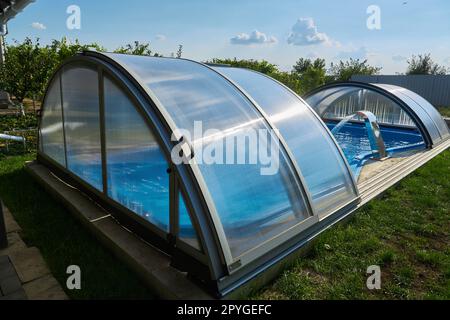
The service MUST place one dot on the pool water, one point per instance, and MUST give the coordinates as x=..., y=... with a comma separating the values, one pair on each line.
x=354, y=142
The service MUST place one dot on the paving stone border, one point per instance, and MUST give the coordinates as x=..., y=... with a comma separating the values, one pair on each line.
x=10, y=285
x=23, y=272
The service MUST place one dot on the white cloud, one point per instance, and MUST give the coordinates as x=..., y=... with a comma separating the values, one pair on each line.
x=38, y=26
x=255, y=37
x=399, y=58
x=160, y=37
x=305, y=33
x=360, y=53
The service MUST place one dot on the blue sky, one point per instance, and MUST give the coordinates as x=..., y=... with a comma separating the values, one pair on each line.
x=279, y=31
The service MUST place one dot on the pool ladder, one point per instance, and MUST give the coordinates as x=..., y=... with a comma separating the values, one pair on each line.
x=373, y=130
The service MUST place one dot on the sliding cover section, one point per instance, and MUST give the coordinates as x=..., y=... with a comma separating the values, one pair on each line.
x=429, y=114
x=253, y=204
x=339, y=103
x=392, y=105
x=322, y=164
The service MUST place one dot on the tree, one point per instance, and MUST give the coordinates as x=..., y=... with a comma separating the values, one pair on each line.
x=28, y=66
x=180, y=51
x=64, y=49
x=344, y=70
x=311, y=74
x=138, y=49
x=25, y=66
x=302, y=65
x=44, y=66
x=423, y=64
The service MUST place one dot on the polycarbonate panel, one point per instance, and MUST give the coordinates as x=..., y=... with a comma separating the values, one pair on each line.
x=442, y=126
x=319, y=100
x=338, y=103
x=82, y=123
x=136, y=167
x=51, y=128
x=322, y=165
x=421, y=106
x=186, y=230
x=253, y=208
x=424, y=117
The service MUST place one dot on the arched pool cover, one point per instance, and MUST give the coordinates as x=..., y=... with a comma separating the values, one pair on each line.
x=393, y=105
x=96, y=126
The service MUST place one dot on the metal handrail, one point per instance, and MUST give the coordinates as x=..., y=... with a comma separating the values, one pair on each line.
x=9, y=138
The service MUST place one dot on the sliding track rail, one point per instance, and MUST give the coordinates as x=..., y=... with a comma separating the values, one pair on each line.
x=376, y=185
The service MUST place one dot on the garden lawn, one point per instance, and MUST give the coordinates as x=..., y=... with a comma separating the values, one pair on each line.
x=445, y=111
x=406, y=233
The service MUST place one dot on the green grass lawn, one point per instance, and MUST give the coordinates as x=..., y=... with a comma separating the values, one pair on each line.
x=445, y=111
x=406, y=233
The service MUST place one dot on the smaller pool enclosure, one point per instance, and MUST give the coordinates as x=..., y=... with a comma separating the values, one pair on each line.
x=405, y=121
x=110, y=124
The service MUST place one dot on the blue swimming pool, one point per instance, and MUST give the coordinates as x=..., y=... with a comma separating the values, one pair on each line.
x=354, y=142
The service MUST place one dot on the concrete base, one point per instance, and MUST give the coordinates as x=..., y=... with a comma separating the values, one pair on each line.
x=150, y=264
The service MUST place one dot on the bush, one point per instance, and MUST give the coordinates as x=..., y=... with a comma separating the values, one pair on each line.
x=344, y=70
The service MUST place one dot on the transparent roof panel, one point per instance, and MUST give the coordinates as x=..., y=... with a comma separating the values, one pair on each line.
x=338, y=103
x=187, y=232
x=252, y=207
x=51, y=128
x=413, y=100
x=320, y=100
x=80, y=96
x=319, y=159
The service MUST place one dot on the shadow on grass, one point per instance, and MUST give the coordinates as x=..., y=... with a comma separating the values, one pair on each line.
x=63, y=241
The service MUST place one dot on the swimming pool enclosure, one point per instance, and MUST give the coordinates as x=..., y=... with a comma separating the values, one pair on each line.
x=110, y=123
